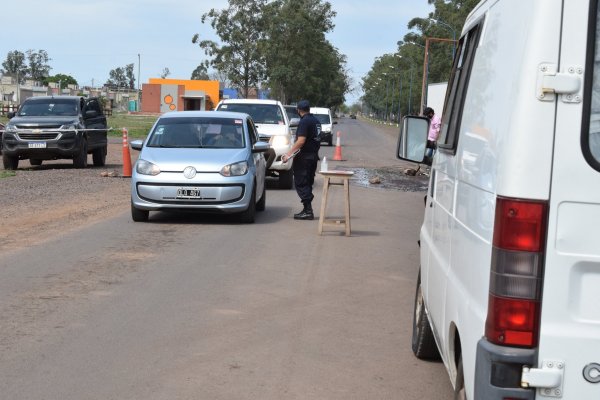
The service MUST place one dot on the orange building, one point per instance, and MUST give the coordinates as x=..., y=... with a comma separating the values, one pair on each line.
x=163, y=95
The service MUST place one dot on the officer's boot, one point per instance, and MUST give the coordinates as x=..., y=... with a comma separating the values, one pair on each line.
x=306, y=213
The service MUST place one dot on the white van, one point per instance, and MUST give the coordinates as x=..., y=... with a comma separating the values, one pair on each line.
x=508, y=293
x=324, y=116
x=273, y=126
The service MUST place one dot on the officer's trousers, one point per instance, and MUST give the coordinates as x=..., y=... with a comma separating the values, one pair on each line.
x=305, y=167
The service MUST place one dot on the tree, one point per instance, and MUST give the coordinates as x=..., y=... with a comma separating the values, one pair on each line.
x=240, y=29
x=62, y=78
x=201, y=72
x=15, y=64
x=117, y=78
x=301, y=63
x=38, y=64
x=165, y=72
x=130, y=76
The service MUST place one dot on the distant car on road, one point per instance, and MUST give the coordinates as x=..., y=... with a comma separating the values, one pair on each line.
x=200, y=160
x=352, y=116
x=51, y=128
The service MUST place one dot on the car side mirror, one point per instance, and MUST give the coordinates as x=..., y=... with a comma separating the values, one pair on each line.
x=412, y=141
x=137, y=144
x=260, y=147
x=294, y=122
x=11, y=114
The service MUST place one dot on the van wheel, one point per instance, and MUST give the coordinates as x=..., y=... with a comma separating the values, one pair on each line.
x=80, y=160
x=262, y=203
x=459, y=387
x=423, y=342
x=35, y=161
x=286, y=179
x=247, y=216
x=99, y=156
x=10, y=162
x=139, y=215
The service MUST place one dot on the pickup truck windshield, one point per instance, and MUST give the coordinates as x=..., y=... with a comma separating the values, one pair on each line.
x=55, y=107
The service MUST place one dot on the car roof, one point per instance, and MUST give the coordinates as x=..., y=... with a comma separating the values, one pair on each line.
x=204, y=114
x=320, y=110
x=249, y=101
x=46, y=98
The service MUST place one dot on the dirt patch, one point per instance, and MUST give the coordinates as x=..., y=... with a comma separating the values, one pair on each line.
x=38, y=202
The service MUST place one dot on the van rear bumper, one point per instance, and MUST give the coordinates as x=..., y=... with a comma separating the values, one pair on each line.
x=498, y=371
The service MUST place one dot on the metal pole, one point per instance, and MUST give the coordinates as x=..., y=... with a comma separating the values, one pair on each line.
x=139, y=80
x=385, y=116
x=392, y=102
x=410, y=91
x=423, y=87
x=400, y=99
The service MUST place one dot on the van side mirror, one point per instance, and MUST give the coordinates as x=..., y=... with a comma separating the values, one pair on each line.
x=294, y=122
x=413, y=139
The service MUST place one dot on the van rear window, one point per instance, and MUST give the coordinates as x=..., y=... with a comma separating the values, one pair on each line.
x=591, y=139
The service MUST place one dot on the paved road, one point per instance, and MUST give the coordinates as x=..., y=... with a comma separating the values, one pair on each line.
x=200, y=307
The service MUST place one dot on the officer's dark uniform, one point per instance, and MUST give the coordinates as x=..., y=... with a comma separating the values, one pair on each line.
x=305, y=162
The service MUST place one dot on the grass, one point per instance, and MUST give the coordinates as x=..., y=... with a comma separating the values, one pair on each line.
x=137, y=126
x=7, y=174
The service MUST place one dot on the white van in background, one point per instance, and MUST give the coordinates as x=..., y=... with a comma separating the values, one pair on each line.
x=509, y=277
x=326, y=119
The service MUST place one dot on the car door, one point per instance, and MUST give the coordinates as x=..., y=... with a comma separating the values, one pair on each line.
x=95, y=123
x=570, y=320
x=259, y=158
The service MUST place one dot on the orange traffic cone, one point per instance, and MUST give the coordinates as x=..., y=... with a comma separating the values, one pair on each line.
x=126, y=156
x=337, y=156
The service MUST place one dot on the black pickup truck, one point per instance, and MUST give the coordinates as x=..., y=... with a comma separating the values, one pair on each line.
x=51, y=128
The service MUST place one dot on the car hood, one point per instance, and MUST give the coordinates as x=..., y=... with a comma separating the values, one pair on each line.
x=34, y=121
x=204, y=160
x=271, y=129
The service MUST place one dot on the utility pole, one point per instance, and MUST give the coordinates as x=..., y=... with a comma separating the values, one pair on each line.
x=139, y=79
x=426, y=67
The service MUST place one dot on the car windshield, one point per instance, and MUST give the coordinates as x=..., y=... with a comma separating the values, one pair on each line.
x=217, y=133
x=52, y=107
x=292, y=112
x=260, y=113
x=323, y=118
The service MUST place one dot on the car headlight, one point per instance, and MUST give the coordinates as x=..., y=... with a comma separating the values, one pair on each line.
x=279, y=141
x=236, y=169
x=146, y=168
x=71, y=126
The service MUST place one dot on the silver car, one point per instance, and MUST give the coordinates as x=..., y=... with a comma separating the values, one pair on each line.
x=200, y=160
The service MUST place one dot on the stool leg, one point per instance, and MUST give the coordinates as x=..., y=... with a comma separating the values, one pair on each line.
x=347, y=205
x=323, y=203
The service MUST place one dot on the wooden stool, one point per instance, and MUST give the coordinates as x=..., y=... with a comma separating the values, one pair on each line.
x=344, y=176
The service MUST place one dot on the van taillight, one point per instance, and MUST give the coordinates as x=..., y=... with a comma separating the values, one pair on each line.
x=516, y=272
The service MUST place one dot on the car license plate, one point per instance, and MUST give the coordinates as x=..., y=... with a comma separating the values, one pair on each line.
x=36, y=145
x=188, y=193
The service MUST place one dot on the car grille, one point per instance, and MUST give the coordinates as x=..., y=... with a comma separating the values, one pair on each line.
x=38, y=136
x=264, y=138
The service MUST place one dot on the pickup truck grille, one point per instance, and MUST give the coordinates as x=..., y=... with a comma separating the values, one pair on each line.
x=36, y=126
x=38, y=136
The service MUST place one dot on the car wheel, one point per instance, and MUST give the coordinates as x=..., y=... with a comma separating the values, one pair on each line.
x=99, y=156
x=139, y=215
x=423, y=342
x=80, y=160
x=459, y=387
x=262, y=203
x=35, y=161
x=10, y=162
x=286, y=179
x=247, y=216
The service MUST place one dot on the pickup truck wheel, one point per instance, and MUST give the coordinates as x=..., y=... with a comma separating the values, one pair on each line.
x=286, y=179
x=35, y=161
x=262, y=203
x=99, y=156
x=247, y=216
x=80, y=160
x=459, y=386
x=10, y=162
x=139, y=215
x=423, y=342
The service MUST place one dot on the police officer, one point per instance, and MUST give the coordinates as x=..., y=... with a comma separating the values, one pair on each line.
x=307, y=143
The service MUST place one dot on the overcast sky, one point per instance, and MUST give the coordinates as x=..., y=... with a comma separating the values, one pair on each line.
x=88, y=38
